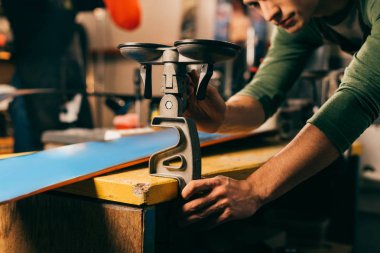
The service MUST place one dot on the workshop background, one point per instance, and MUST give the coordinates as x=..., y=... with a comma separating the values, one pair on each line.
x=353, y=226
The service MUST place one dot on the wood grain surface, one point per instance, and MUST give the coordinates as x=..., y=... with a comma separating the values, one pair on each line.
x=57, y=223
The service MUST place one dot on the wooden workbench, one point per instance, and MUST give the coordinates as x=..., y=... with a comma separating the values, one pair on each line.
x=127, y=211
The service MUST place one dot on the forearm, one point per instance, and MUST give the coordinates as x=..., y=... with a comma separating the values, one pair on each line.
x=243, y=114
x=309, y=152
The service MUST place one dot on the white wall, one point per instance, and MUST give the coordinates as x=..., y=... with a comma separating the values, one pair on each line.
x=206, y=18
x=159, y=24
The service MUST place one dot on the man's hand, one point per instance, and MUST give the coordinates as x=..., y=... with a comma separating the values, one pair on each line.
x=208, y=113
x=219, y=199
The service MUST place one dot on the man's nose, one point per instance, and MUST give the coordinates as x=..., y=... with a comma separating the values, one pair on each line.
x=270, y=12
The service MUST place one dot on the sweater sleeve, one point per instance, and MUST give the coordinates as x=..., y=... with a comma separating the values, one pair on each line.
x=356, y=104
x=282, y=66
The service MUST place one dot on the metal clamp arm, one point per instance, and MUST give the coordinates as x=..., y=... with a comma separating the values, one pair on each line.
x=183, y=160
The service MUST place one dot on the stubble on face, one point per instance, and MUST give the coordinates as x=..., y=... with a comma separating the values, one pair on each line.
x=292, y=14
x=303, y=11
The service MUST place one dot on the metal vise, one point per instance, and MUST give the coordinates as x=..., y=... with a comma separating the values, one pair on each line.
x=182, y=161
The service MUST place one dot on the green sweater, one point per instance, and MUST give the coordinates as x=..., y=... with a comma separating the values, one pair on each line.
x=354, y=106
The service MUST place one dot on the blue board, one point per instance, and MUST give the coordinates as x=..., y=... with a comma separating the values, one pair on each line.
x=27, y=175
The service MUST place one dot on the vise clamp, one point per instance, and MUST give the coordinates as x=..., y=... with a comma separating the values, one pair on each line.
x=183, y=160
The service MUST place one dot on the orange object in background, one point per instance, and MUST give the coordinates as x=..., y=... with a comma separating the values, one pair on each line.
x=6, y=145
x=126, y=121
x=3, y=40
x=125, y=13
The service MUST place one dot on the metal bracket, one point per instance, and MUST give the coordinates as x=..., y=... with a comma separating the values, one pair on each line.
x=181, y=161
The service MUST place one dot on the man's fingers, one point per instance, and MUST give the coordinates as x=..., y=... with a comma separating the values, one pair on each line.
x=199, y=186
x=215, y=209
x=192, y=84
x=191, y=90
x=194, y=76
x=198, y=204
x=193, y=81
x=213, y=92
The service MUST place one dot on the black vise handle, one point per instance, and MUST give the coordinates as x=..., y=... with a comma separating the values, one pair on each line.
x=204, y=79
x=137, y=83
x=146, y=76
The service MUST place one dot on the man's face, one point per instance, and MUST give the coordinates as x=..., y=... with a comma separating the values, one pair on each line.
x=291, y=15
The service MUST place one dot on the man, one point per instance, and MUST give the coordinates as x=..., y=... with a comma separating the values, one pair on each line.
x=303, y=25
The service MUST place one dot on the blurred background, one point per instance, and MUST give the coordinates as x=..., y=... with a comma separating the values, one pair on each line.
x=112, y=87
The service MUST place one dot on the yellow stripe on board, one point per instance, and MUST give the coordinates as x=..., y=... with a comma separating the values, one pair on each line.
x=137, y=187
